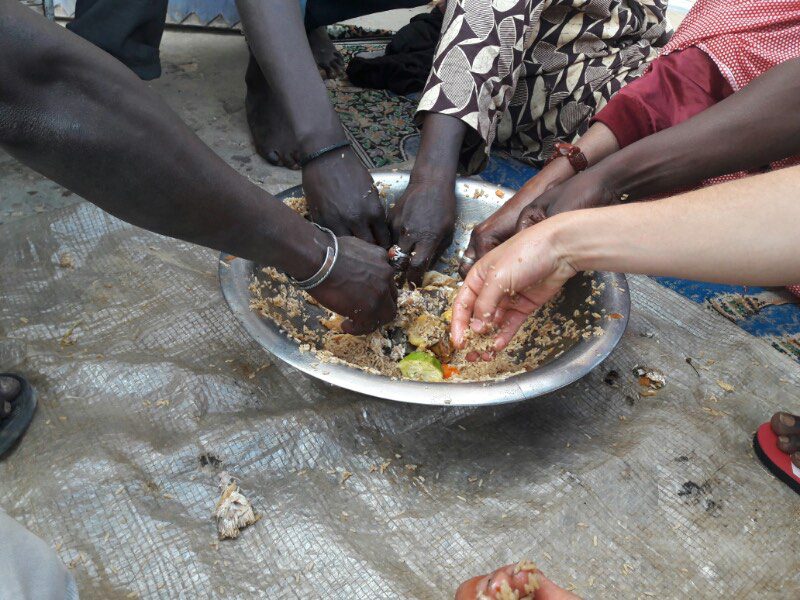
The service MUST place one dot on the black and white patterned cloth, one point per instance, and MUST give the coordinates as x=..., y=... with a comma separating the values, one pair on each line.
x=525, y=74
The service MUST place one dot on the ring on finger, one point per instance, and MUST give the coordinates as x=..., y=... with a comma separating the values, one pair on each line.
x=397, y=258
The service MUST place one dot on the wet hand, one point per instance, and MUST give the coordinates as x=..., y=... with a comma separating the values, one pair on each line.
x=361, y=287
x=509, y=283
x=342, y=197
x=422, y=222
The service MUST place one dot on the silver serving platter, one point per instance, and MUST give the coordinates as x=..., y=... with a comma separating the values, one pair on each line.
x=476, y=200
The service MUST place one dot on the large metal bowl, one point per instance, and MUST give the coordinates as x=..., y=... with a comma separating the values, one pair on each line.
x=476, y=200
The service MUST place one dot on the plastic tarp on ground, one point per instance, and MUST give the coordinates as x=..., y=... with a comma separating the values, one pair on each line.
x=148, y=388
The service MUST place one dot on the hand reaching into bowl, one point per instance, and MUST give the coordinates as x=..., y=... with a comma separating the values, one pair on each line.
x=711, y=234
x=361, y=287
x=509, y=283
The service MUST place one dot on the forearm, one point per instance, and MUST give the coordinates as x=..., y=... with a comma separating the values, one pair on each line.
x=743, y=232
x=456, y=91
x=277, y=37
x=747, y=130
x=437, y=159
x=596, y=144
x=88, y=123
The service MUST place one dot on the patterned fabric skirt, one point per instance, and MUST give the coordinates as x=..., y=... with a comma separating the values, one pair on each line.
x=524, y=74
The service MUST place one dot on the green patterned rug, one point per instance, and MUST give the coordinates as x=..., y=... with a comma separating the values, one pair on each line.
x=378, y=122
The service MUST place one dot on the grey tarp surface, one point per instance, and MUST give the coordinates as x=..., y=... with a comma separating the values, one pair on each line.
x=592, y=482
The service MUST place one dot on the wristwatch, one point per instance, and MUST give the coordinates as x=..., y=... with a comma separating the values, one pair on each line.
x=574, y=155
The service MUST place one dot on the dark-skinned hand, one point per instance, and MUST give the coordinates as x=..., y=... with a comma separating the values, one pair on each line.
x=589, y=189
x=361, y=287
x=422, y=222
x=342, y=197
x=500, y=226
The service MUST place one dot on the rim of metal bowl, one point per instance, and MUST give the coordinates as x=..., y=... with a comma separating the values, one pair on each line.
x=235, y=277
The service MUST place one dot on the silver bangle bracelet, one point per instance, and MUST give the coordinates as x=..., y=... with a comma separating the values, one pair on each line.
x=331, y=254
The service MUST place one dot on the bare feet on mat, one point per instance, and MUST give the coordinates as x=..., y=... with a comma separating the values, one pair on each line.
x=787, y=427
x=273, y=140
x=327, y=57
x=522, y=580
x=9, y=390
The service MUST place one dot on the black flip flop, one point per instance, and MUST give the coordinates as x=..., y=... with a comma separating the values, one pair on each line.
x=22, y=408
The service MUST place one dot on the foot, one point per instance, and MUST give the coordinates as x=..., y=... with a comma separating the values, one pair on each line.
x=327, y=57
x=9, y=390
x=273, y=140
x=787, y=428
x=17, y=405
x=522, y=580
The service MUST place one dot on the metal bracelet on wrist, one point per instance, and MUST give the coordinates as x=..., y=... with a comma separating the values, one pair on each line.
x=304, y=160
x=331, y=254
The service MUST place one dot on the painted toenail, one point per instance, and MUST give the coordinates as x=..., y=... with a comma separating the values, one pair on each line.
x=787, y=420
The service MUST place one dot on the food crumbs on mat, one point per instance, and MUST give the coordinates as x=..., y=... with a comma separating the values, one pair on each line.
x=650, y=378
x=725, y=386
x=65, y=261
x=67, y=339
x=233, y=511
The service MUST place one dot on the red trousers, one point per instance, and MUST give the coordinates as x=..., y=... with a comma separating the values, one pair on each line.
x=675, y=88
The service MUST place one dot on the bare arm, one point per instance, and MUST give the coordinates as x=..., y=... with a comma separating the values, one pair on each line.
x=277, y=38
x=741, y=232
x=78, y=116
x=337, y=184
x=747, y=130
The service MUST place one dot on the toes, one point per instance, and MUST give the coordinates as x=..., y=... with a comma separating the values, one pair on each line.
x=9, y=389
x=789, y=444
x=785, y=424
x=292, y=161
x=796, y=459
x=272, y=157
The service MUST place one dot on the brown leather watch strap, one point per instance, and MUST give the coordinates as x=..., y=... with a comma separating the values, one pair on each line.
x=573, y=153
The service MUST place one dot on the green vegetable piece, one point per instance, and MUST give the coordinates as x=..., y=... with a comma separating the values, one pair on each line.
x=421, y=366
